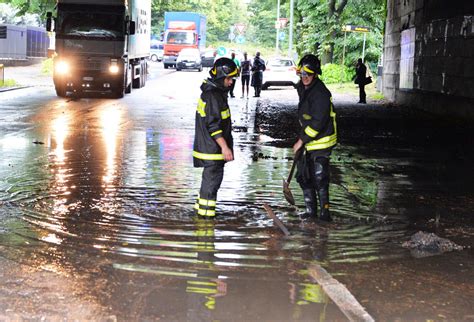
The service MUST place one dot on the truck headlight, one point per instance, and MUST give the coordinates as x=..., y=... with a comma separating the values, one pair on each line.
x=62, y=67
x=114, y=69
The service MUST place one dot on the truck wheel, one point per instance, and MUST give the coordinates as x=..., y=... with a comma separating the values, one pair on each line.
x=144, y=73
x=136, y=82
x=166, y=66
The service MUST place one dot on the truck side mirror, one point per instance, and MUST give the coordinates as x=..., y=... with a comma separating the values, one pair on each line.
x=49, y=19
x=131, y=28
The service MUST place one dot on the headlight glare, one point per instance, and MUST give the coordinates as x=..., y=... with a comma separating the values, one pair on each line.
x=62, y=67
x=114, y=69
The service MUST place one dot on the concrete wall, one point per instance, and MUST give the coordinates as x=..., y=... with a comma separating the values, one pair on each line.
x=429, y=55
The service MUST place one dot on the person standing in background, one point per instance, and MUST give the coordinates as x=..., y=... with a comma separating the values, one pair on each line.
x=258, y=67
x=245, y=67
x=237, y=63
x=360, y=80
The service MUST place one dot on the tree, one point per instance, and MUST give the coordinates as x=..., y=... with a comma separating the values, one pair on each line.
x=9, y=15
x=220, y=14
x=319, y=28
x=39, y=7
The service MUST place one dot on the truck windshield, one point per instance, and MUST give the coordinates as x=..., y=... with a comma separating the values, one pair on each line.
x=180, y=37
x=91, y=24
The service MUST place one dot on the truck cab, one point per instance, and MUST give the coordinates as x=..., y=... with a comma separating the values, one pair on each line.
x=182, y=30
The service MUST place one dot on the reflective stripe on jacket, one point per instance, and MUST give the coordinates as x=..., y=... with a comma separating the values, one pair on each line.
x=316, y=116
x=213, y=120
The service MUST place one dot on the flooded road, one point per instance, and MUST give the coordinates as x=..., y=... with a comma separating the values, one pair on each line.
x=100, y=192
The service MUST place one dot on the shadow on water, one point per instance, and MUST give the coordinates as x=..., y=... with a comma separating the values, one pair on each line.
x=112, y=200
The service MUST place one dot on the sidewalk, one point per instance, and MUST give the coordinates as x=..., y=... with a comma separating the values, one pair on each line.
x=26, y=76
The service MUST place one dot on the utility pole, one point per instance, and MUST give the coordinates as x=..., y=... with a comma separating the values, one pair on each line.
x=290, y=44
x=277, y=27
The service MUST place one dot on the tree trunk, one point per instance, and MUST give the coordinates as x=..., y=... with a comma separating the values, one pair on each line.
x=333, y=13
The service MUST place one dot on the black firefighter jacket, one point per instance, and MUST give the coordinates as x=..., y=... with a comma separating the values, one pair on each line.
x=212, y=122
x=316, y=116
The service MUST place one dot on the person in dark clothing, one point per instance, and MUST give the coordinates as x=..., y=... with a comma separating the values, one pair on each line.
x=317, y=136
x=245, y=67
x=213, y=142
x=237, y=63
x=258, y=67
x=360, y=79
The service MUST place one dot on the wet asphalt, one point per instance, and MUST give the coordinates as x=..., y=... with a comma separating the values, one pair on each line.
x=96, y=199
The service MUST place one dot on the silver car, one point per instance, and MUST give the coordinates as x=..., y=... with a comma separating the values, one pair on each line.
x=189, y=58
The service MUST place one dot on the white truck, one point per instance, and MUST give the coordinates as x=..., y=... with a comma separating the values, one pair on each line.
x=100, y=45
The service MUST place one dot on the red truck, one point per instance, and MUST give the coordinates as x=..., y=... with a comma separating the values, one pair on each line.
x=182, y=30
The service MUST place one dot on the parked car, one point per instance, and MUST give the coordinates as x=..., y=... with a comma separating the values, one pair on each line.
x=156, y=50
x=156, y=54
x=189, y=58
x=280, y=72
x=207, y=58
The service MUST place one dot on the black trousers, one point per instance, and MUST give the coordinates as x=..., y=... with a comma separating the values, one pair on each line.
x=211, y=182
x=362, y=93
x=231, y=92
x=313, y=171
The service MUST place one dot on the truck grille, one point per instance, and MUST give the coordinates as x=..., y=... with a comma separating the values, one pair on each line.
x=91, y=64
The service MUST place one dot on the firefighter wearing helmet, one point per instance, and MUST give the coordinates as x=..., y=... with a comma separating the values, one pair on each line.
x=213, y=142
x=317, y=136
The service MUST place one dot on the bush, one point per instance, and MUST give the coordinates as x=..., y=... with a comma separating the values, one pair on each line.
x=333, y=73
x=8, y=83
x=47, y=66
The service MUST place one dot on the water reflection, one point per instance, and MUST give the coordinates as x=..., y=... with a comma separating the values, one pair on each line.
x=113, y=200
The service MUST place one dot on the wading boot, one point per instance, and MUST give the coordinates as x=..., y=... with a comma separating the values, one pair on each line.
x=311, y=204
x=324, y=214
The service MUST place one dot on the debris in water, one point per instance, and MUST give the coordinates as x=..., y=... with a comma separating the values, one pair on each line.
x=424, y=244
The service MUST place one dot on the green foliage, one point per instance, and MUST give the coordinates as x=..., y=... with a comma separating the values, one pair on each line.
x=333, y=73
x=377, y=96
x=47, y=66
x=39, y=7
x=8, y=83
x=220, y=14
x=317, y=23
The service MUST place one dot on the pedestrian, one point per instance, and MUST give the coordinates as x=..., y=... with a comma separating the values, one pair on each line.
x=237, y=63
x=213, y=142
x=360, y=79
x=245, y=67
x=317, y=136
x=258, y=67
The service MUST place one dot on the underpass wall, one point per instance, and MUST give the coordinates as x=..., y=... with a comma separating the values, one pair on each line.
x=428, y=55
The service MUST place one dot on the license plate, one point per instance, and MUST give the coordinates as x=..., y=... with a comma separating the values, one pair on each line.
x=189, y=64
x=87, y=78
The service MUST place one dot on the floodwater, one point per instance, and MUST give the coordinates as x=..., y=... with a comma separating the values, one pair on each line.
x=103, y=190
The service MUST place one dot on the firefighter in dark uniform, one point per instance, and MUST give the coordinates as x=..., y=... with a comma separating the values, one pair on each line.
x=213, y=143
x=318, y=136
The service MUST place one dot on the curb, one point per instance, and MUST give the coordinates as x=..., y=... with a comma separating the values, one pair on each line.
x=7, y=89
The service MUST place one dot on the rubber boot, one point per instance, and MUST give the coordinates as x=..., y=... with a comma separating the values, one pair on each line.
x=324, y=213
x=311, y=204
